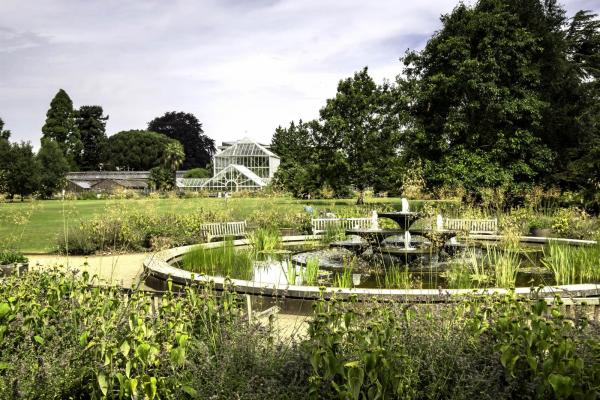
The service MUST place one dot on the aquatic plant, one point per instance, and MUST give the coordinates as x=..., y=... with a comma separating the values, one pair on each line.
x=397, y=277
x=310, y=273
x=223, y=260
x=344, y=280
x=572, y=264
x=265, y=239
x=506, y=263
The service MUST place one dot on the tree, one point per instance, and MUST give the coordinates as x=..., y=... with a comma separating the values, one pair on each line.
x=362, y=123
x=197, y=173
x=4, y=134
x=4, y=155
x=161, y=178
x=186, y=128
x=53, y=168
x=300, y=171
x=60, y=126
x=91, y=124
x=477, y=91
x=136, y=150
x=173, y=156
x=22, y=175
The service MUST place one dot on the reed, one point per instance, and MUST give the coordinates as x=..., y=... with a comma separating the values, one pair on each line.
x=570, y=264
x=397, y=277
x=344, y=280
x=223, y=260
x=265, y=239
x=310, y=273
x=506, y=264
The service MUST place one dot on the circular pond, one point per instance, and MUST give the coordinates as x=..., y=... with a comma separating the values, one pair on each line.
x=307, y=267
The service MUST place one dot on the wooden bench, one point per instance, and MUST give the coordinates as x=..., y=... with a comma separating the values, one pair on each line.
x=223, y=229
x=320, y=225
x=476, y=226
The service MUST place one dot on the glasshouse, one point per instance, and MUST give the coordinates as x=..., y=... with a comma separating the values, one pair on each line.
x=241, y=165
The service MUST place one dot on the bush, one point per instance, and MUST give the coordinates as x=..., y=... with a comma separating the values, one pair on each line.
x=11, y=257
x=62, y=338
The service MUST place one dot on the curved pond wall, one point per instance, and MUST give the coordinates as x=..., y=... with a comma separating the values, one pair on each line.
x=158, y=270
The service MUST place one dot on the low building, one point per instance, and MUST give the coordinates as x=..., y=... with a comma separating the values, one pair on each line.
x=107, y=181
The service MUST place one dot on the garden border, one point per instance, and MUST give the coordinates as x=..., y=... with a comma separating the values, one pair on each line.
x=158, y=267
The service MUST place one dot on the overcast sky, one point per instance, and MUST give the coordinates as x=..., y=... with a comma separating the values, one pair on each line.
x=243, y=67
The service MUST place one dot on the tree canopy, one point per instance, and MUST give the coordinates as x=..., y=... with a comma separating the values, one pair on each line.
x=53, y=168
x=136, y=150
x=186, y=128
x=91, y=124
x=60, y=126
x=505, y=95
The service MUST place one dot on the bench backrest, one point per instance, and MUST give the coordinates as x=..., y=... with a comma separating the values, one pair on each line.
x=320, y=225
x=224, y=228
x=487, y=226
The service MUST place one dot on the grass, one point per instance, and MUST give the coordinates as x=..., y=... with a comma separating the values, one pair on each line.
x=35, y=225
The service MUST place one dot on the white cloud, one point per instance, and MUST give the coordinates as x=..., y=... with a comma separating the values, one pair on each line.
x=238, y=65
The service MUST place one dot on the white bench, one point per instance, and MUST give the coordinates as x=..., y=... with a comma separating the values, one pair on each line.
x=320, y=225
x=223, y=229
x=476, y=226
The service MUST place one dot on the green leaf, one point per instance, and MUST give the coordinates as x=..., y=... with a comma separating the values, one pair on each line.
x=102, y=383
x=83, y=338
x=4, y=365
x=562, y=385
x=150, y=387
x=38, y=339
x=4, y=309
x=356, y=376
x=125, y=348
x=178, y=356
x=190, y=390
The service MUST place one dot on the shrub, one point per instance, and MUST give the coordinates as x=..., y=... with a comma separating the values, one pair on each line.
x=11, y=257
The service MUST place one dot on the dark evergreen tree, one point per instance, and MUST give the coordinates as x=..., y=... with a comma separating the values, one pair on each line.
x=186, y=128
x=53, y=168
x=91, y=124
x=136, y=150
x=60, y=126
x=300, y=171
x=4, y=134
x=22, y=174
x=4, y=156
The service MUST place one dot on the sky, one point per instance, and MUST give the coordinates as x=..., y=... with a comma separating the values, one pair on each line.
x=242, y=67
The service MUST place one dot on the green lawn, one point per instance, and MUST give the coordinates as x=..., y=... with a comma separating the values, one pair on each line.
x=33, y=227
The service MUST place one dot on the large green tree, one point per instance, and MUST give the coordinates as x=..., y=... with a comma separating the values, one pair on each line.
x=300, y=171
x=91, y=124
x=53, y=168
x=186, y=128
x=136, y=150
x=363, y=124
x=60, y=126
x=498, y=95
x=22, y=174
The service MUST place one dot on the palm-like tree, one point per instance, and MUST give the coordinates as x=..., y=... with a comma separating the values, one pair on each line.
x=173, y=156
